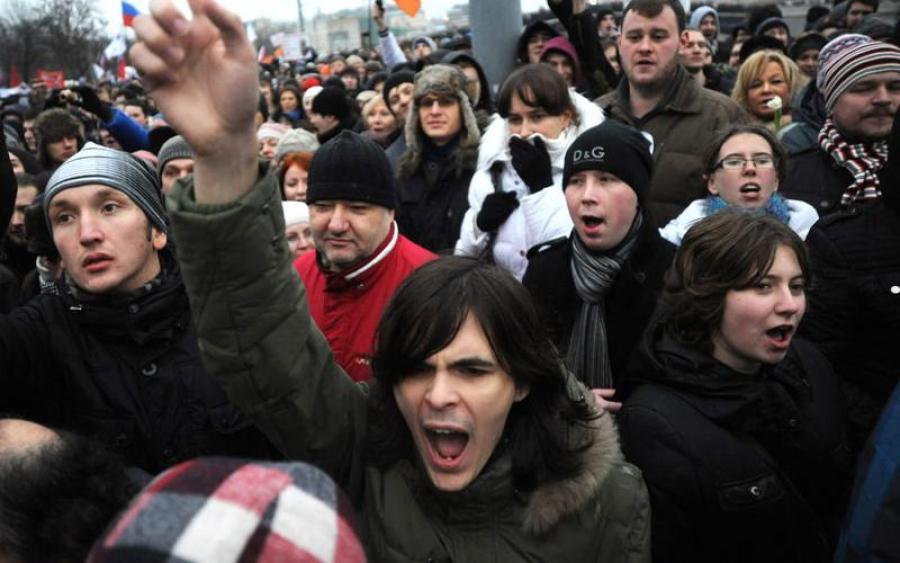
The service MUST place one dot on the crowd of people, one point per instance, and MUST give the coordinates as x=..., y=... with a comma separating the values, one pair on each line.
x=638, y=303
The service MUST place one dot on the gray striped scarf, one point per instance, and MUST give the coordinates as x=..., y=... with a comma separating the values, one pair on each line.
x=594, y=275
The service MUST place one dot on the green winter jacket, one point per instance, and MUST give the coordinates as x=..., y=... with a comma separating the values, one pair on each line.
x=260, y=343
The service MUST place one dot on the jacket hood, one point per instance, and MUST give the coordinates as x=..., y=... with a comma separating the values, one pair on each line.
x=554, y=501
x=522, y=46
x=564, y=46
x=700, y=13
x=485, y=102
x=495, y=140
x=809, y=106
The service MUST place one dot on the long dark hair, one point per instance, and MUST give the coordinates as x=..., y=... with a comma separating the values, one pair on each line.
x=424, y=316
x=726, y=251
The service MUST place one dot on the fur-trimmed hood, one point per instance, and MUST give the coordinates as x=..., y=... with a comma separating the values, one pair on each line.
x=495, y=141
x=446, y=80
x=553, y=501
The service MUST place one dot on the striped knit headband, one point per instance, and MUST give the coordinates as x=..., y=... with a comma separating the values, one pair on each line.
x=845, y=68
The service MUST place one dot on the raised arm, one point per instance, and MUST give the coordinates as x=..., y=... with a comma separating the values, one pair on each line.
x=256, y=336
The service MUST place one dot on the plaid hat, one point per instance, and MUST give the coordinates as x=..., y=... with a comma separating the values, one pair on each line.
x=174, y=148
x=615, y=148
x=296, y=140
x=119, y=170
x=369, y=179
x=843, y=64
x=218, y=509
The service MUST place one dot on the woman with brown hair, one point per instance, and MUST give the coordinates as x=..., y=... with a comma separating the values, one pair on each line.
x=737, y=428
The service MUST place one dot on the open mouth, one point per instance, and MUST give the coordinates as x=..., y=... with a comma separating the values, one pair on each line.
x=781, y=334
x=750, y=189
x=591, y=222
x=447, y=444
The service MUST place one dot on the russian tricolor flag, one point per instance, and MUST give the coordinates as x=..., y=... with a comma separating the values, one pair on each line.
x=129, y=12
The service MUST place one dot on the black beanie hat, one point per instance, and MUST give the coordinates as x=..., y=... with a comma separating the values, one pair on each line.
x=394, y=80
x=332, y=101
x=353, y=168
x=615, y=148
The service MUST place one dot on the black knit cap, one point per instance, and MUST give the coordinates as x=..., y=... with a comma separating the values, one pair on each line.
x=351, y=167
x=615, y=148
x=332, y=101
x=394, y=80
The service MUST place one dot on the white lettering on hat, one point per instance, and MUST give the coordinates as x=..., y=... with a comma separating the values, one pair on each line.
x=596, y=154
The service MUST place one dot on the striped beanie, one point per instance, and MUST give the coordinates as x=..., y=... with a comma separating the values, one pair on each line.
x=220, y=509
x=173, y=149
x=851, y=60
x=95, y=164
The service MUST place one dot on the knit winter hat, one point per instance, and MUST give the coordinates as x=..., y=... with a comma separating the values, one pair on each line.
x=296, y=140
x=308, y=83
x=271, y=130
x=848, y=63
x=394, y=80
x=174, y=148
x=209, y=510
x=615, y=148
x=352, y=168
x=119, y=170
x=295, y=212
x=770, y=23
x=332, y=101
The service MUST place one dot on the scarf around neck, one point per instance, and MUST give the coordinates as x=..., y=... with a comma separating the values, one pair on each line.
x=594, y=275
x=776, y=206
x=862, y=160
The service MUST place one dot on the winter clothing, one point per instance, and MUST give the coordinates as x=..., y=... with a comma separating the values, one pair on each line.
x=53, y=125
x=870, y=533
x=295, y=212
x=390, y=50
x=296, y=140
x=628, y=305
x=370, y=179
x=807, y=118
x=294, y=389
x=174, y=148
x=127, y=132
x=564, y=46
x=532, y=28
x=853, y=63
x=271, y=130
x=697, y=16
x=332, y=101
x=814, y=177
x=433, y=181
x=800, y=217
x=347, y=305
x=740, y=467
x=289, y=512
x=484, y=104
x=95, y=164
x=615, y=148
x=682, y=126
x=862, y=160
x=124, y=370
x=532, y=163
x=541, y=216
x=394, y=80
x=771, y=23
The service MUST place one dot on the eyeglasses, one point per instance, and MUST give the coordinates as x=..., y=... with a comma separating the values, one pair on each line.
x=762, y=161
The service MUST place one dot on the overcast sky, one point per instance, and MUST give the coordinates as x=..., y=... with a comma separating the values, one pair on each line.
x=287, y=9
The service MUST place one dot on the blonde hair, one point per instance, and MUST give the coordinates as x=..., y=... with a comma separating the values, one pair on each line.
x=754, y=66
x=371, y=105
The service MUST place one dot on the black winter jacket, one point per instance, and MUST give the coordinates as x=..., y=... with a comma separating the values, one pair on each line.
x=125, y=371
x=814, y=177
x=629, y=304
x=739, y=467
x=854, y=306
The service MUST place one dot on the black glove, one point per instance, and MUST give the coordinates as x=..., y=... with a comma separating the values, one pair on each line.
x=91, y=103
x=37, y=232
x=495, y=210
x=532, y=163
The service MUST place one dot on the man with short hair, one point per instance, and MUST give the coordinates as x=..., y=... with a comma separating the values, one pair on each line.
x=860, y=84
x=114, y=354
x=441, y=154
x=174, y=161
x=857, y=10
x=660, y=98
x=693, y=52
x=472, y=441
x=360, y=257
x=136, y=110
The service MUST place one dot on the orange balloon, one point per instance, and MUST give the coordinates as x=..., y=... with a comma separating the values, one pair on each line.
x=410, y=7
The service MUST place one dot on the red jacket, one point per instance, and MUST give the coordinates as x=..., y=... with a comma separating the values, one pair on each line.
x=347, y=305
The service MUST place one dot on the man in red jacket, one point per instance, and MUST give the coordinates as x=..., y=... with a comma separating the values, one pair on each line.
x=360, y=256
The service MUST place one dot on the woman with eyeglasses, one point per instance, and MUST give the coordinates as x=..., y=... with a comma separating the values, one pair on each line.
x=745, y=164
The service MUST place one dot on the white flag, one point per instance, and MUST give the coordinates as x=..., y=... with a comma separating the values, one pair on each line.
x=116, y=47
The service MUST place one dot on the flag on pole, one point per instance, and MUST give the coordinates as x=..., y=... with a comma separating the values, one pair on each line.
x=129, y=12
x=116, y=47
x=409, y=7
